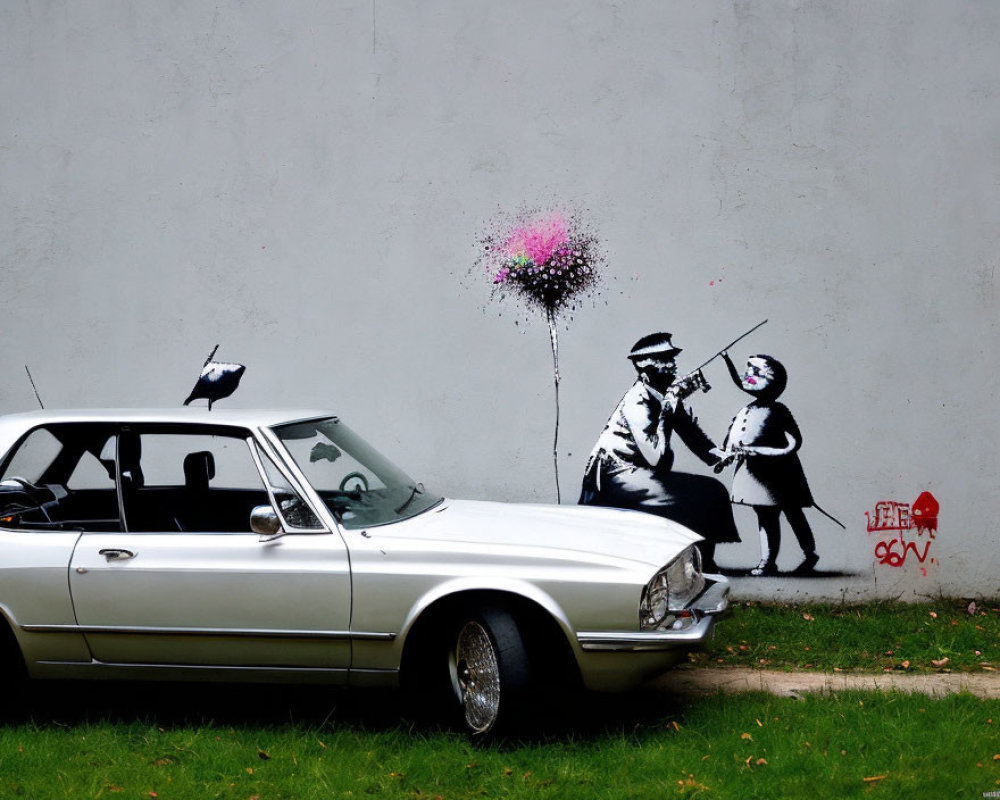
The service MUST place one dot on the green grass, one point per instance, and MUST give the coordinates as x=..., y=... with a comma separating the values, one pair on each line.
x=748, y=746
x=882, y=636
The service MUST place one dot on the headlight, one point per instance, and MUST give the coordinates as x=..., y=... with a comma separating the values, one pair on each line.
x=671, y=590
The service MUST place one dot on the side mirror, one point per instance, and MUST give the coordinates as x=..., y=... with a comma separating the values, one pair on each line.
x=264, y=521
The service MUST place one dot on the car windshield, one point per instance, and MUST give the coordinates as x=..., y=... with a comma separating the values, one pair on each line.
x=360, y=486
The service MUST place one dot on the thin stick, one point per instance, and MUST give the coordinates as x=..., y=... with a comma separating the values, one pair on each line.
x=554, y=339
x=39, y=399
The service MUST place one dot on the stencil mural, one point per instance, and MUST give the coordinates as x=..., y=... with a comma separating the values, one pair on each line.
x=549, y=261
x=631, y=465
x=218, y=380
x=763, y=442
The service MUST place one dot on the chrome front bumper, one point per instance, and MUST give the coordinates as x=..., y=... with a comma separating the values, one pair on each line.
x=713, y=601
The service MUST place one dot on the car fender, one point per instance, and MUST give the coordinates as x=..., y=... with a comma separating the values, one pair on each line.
x=501, y=586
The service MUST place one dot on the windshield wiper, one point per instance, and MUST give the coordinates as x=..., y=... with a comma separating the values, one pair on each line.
x=418, y=487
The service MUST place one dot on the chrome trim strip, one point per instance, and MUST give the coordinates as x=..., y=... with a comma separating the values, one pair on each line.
x=201, y=667
x=257, y=633
x=646, y=640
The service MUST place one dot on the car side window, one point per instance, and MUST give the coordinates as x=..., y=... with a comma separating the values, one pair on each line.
x=188, y=482
x=61, y=477
x=294, y=511
x=90, y=473
x=35, y=454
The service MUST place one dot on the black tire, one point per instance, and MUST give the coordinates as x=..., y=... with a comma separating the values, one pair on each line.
x=489, y=671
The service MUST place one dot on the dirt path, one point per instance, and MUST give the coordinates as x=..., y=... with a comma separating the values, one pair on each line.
x=730, y=680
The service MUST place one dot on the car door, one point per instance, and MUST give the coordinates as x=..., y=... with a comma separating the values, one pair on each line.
x=188, y=583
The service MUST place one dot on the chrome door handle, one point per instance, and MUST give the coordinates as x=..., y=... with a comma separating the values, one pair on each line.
x=116, y=554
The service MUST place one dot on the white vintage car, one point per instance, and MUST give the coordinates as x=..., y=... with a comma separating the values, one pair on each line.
x=278, y=545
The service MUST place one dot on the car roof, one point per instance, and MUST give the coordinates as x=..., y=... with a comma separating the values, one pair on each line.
x=242, y=417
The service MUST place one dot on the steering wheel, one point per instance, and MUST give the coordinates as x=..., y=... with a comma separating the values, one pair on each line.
x=360, y=486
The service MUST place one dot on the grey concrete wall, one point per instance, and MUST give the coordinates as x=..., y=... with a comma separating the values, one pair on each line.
x=305, y=183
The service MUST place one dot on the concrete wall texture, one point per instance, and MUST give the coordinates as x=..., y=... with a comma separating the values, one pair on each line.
x=305, y=184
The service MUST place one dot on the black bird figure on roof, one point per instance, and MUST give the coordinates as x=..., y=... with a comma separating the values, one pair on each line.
x=217, y=380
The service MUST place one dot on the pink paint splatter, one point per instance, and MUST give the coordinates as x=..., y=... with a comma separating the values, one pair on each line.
x=538, y=240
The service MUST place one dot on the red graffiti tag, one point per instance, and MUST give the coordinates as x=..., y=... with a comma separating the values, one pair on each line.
x=924, y=513
x=886, y=552
x=890, y=515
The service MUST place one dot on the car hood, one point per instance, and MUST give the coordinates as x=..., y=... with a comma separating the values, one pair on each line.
x=543, y=532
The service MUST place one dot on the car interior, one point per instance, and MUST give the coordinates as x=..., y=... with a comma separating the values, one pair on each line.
x=64, y=477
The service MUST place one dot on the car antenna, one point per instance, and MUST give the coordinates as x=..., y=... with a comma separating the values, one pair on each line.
x=39, y=399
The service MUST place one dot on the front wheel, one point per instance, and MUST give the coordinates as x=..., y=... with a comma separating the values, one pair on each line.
x=489, y=670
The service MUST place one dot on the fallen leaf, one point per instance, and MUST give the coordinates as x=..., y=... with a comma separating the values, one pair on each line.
x=933, y=616
x=674, y=725
x=525, y=776
x=759, y=723
x=808, y=617
x=262, y=755
x=321, y=744
x=905, y=665
x=746, y=736
x=508, y=771
x=760, y=762
x=875, y=778
x=996, y=757
x=972, y=608
x=940, y=662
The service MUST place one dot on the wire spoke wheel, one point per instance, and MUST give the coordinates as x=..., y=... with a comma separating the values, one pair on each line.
x=477, y=677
